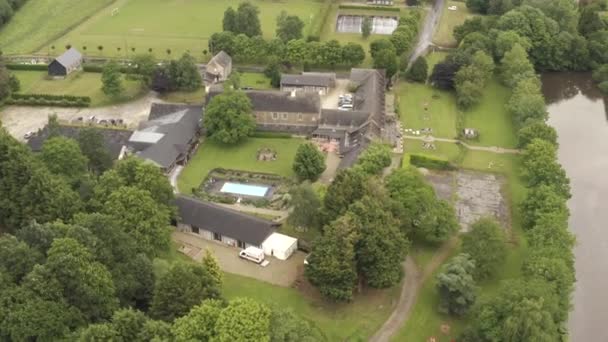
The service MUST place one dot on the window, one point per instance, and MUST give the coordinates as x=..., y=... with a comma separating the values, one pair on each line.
x=217, y=237
x=240, y=243
x=275, y=116
x=284, y=116
x=195, y=230
x=299, y=116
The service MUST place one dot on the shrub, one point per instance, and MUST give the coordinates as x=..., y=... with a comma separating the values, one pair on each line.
x=27, y=67
x=430, y=162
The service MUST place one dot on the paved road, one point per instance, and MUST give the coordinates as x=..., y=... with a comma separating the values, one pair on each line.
x=426, y=36
x=493, y=149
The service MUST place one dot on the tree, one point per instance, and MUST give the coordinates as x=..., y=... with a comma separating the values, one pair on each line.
x=248, y=21
x=353, y=54
x=309, y=162
x=111, y=80
x=128, y=323
x=366, y=27
x=522, y=310
x=515, y=66
x=200, y=323
x=330, y=53
x=374, y=159
x=184, y=73
x=229, y=118
x=85, y=283
x=286, y=326
x=527, y=104
x=536, y=130
x=180, y=289
x=63, y=157
x=380, y=45
x=564, y=12
x=478, y=6
x=273, y=72
x=346, y=188
x=41, y=320
x=387, y=60
x=470, y=80
x=505, y=40
x=485, y=243
x=5, y=82
x=542, y=200
x=331, y=265
x=541, y=167
x=418, y=72
x=297, y=51
x=230, y=20
x=136, y=212
x=402, y=39
x=306, y=207
x=17, y=258
x=98, y=332
x=234, y=81
x=235, y=322
x=289, y=27
x=213, y=268
x=92, y=146
x=222, y=41
x=456, y=286
x=443, y=75
x=6, y=12
x=474, y=24
x=598, y=45
x=144, y=67
x=381, y=246
x=590, y=20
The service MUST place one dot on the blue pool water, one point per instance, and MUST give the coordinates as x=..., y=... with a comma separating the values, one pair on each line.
x=243, y=189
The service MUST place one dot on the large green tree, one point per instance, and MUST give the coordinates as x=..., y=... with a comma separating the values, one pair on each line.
x=228, y=118
x=347, y=187
x=111, y=80
x=306, y=207
x=485, y=243
x=536, y=130
x=92, y=146
x=541, y=167
x=309, y=162
x=200, y=323
x=289, y=27
x=527, y=103
x=456, y=286
x=243, y=320
x=515, y=66
x=542, y=200
x=62, y=156
x=247, y=19
x=184, y=73
x=387, y=60
x=180, y=289
x=17, y=258
x=375, y=159
x=419, y=70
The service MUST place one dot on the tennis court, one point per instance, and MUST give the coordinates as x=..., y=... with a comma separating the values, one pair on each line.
x=352, y=24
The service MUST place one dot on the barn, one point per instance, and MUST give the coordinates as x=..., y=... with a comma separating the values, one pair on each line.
x=70, y=61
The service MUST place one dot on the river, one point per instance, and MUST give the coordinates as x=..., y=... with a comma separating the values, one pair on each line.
x=579, y=114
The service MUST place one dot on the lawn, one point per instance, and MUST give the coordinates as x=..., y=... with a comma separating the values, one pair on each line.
x=243, y=156
x=77, y=84
x=255, y=80
x=192, y=97
x=355, y=321
x=179, y=25
x=491, y=117
x=443, y=150
x=440, y=113
x=449, y=20
x=41, y=21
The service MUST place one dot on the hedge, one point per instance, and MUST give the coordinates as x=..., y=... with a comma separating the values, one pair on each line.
x=370, y=8
x=27, y=67
x=51, y=97
x=99, y=68
x=271, y=135
x=427, y=162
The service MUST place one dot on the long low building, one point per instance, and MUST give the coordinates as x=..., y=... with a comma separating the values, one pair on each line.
x=216, y=223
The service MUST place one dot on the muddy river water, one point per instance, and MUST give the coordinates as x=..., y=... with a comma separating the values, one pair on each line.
x=580, y=114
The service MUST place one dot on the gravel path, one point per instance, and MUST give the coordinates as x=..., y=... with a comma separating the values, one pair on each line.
x=430, y=25
x=20, y=120
x=493, y=149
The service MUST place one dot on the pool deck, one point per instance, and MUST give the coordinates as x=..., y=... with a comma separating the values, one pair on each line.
x=218, y=185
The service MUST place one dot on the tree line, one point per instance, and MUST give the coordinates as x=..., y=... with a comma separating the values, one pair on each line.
x=78, y=254
x=8, y=9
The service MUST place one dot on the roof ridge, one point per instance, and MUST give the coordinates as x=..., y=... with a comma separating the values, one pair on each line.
x=226, y=209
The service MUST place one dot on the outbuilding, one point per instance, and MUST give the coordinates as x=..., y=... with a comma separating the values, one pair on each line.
x=70, y=61
x=280, y=246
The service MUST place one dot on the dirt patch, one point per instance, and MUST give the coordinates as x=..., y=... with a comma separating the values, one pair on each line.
x=474, y=194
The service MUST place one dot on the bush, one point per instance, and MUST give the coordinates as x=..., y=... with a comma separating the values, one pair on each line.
x=430, y=162
x=49, y=100
x=370, y=8
x=27, y=67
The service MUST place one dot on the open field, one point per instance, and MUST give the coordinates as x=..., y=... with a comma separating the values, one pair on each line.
x=255, y=80
x=449, y=20
x=77, y=84
x=171, y=24
x=41, y=21
x=242, y=156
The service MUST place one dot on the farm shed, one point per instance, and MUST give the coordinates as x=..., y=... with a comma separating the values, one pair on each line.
x=65, y=64
x=280, y=246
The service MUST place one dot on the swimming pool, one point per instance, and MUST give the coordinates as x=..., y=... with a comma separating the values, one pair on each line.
x=244, y=189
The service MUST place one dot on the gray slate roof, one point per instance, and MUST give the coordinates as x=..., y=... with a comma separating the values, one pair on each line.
x=161, y=109
x=346, y=119
x=164, y=138
x=221, y=58
x=70, y=58
x=114, y=139
x=308, y=79
x=369, y=97
x=224, y=221
x=280, y=101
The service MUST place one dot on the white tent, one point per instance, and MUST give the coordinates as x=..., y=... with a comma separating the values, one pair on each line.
x=280, y=246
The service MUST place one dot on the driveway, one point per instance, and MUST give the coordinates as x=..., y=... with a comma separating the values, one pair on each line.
x=425, y=39
x=278, y=272
x=20, y=120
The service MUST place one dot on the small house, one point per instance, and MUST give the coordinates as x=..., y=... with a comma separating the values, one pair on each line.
x=68, y=62
x=309, y=82
x=230, y=227
x=218, y=69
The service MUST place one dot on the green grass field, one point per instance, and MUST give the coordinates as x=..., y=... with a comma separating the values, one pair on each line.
x=41, y=21
x=243, y=156
x=179, y=25
x=255, y=80
x=77, y=84
x=449, y=20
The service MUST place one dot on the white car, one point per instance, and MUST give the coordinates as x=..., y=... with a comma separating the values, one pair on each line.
x=28, y=135
x=452, y=8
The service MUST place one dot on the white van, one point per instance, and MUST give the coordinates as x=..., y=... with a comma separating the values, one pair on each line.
x=252, y=254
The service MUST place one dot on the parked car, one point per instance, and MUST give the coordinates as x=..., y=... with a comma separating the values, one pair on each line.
x=254, y=254
x=28, y=135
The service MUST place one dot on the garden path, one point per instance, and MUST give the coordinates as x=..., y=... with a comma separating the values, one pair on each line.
x=493, y=149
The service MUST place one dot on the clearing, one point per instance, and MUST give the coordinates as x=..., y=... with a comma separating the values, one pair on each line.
x=242, y=156
x=449, y=20
x=76, y=84
x=186, y=25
